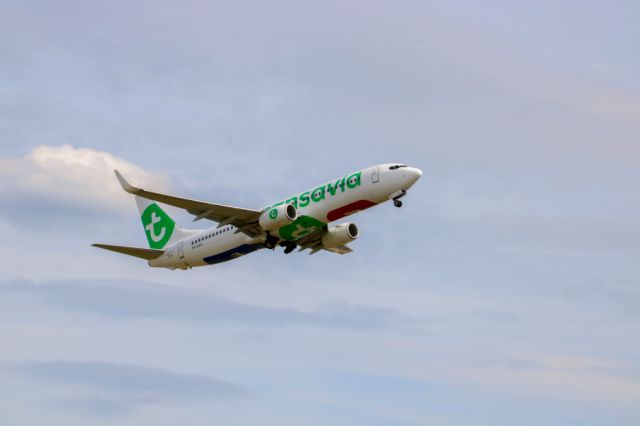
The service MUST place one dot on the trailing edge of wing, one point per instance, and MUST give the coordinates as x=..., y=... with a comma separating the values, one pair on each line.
x=142, y=253
x=339, y=249
x=236, y=216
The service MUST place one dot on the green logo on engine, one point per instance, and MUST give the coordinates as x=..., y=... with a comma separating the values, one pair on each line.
x=273, y=214
x=157, y=225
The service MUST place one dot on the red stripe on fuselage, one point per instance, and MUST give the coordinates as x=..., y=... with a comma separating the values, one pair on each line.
x=352, y=208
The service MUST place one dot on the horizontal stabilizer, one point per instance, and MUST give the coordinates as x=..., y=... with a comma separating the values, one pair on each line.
x=142, y=253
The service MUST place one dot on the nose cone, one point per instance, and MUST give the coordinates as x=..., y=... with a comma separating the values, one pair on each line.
x=412, y=175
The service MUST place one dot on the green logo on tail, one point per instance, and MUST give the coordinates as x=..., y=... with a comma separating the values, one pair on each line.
x=157, y=225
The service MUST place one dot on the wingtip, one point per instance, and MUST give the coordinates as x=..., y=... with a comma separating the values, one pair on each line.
x=123, y=182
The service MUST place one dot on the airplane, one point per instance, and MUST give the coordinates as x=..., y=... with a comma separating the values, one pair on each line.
x=303, y=221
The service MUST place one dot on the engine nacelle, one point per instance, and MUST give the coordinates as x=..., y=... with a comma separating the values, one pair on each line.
x=278, y=216
x=339, y=235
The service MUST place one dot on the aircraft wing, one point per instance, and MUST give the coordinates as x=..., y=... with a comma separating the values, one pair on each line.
x=246, y=220
x=340, y=250
x=142, y=253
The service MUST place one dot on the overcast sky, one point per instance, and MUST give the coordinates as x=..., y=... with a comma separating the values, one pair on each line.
x=505, y=292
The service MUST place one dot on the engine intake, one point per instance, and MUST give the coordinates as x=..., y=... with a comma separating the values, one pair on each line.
x=339, y=235
x=277, y=217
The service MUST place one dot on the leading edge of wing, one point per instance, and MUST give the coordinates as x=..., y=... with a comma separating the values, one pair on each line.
x=200, y=209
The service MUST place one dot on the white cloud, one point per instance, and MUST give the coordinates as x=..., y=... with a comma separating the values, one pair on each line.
x=72, y=176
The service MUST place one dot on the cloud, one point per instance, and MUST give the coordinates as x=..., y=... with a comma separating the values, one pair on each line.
x=64, y=177
x=125, y=299
x=107, y=389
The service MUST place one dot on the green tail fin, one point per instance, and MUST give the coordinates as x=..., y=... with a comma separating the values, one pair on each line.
x=158, y=226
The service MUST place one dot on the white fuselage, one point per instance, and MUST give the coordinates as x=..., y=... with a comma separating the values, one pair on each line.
x=316, y=208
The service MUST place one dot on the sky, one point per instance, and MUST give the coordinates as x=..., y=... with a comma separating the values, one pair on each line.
x=505, y=291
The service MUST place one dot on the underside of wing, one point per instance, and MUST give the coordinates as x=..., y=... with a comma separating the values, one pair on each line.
x=246, y=220
x=142, y=253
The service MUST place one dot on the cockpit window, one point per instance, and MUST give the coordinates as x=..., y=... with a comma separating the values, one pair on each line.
x=397, y=166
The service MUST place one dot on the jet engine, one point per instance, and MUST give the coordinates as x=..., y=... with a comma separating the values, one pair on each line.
x=277, y=217
x=339, y=235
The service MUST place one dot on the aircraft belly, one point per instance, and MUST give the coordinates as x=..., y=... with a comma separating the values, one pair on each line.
x=231, y=254
x=234, y=246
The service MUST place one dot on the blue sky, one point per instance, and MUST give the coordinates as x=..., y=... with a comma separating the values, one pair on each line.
x=505, y=292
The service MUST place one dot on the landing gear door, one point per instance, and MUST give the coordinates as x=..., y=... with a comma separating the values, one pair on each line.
x=375, y=175
x=181, y=250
